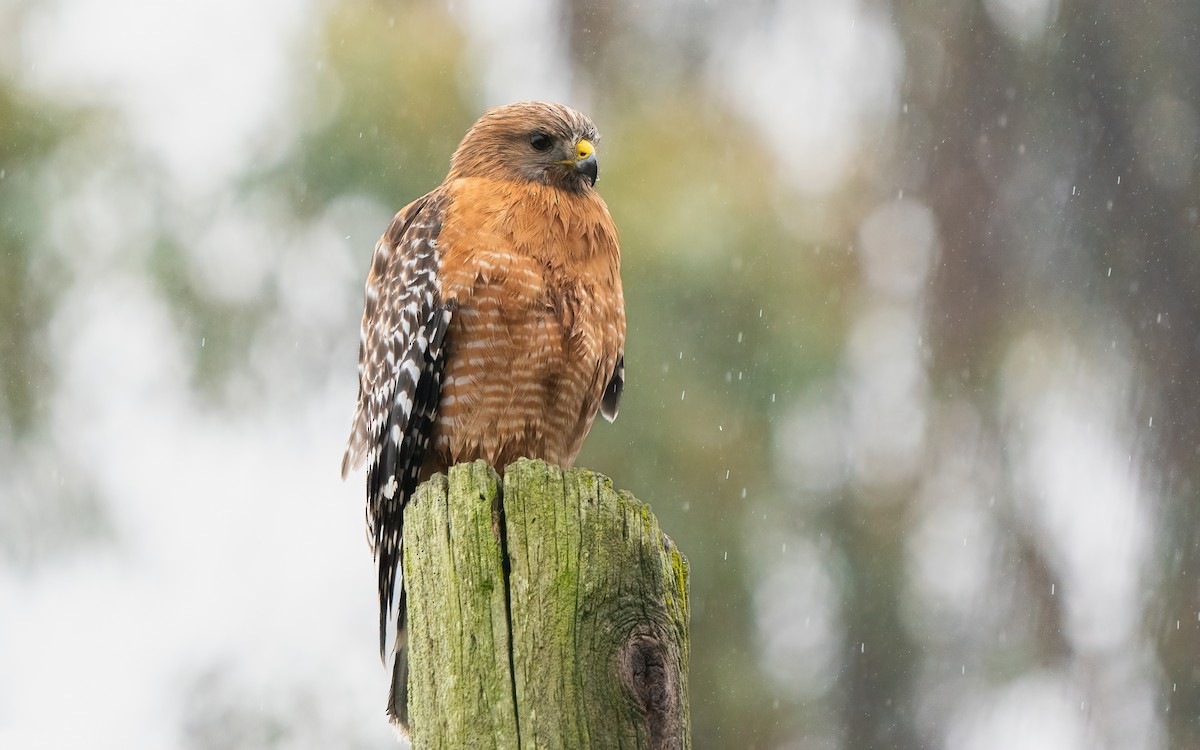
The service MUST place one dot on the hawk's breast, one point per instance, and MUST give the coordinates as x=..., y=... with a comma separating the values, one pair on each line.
x=539, y=324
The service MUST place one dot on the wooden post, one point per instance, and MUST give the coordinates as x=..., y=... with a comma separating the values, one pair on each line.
x=551, y=614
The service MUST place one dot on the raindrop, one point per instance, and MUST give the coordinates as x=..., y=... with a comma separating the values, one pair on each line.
x=1021, y=149
x=783, y=549
x=862, y=647
x=1052, y=589
x=727, y=473
x=1118, y=179
x=1151, y=422
x=2, y=177
x=772, y=398
x=964, y=669
x=1110, y=270
x=739, y=337
x=726, y=557
x=744, y=493
x=682, y=394
x=1073, y=190
x=202, y=341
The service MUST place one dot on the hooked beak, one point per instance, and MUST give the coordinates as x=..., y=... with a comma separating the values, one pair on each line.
x=585, y=161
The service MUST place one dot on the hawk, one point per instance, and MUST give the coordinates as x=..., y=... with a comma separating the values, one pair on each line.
x=494, y=326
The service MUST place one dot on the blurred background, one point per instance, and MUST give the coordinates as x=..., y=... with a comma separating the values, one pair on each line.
x=913, y=362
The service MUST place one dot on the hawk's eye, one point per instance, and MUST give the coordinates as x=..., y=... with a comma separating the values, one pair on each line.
x=540, y=141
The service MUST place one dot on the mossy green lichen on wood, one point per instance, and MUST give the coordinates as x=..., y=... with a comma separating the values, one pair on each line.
x=457, y=610
x=573, y=629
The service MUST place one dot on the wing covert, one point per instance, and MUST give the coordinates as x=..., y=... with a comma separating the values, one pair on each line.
x=401, y=362
x=611, y=401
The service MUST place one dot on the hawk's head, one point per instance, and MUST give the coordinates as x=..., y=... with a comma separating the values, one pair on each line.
x=548, y=143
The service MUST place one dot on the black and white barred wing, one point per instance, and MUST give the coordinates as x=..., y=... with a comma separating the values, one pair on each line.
x=401, y=362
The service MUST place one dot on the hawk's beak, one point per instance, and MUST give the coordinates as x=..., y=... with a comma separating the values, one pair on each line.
x=585, y=160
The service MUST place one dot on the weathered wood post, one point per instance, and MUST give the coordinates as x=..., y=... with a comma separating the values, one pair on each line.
x=550, y=612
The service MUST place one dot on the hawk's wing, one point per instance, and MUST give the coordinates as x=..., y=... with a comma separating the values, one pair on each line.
x=612, y=392
x=401, y=361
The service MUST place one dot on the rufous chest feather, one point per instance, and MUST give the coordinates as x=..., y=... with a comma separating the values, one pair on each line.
x=539, y=323
x=534, y=249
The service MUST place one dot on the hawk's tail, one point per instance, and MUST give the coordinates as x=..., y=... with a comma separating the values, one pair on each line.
x=397, y=703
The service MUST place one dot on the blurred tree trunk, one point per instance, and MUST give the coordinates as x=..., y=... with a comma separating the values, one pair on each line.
x=551, y=612
x=1082, y=95
x=1145, y=233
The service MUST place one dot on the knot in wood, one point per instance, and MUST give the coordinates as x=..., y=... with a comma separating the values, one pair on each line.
x=651, y=674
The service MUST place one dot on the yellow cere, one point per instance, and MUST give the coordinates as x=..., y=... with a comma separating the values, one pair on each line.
x=584, y=149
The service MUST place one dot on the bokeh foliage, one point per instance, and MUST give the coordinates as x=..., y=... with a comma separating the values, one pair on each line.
x=1052, y=213
x=30, y=129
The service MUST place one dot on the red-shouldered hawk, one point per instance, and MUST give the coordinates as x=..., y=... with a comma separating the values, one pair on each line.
x=494, y=325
